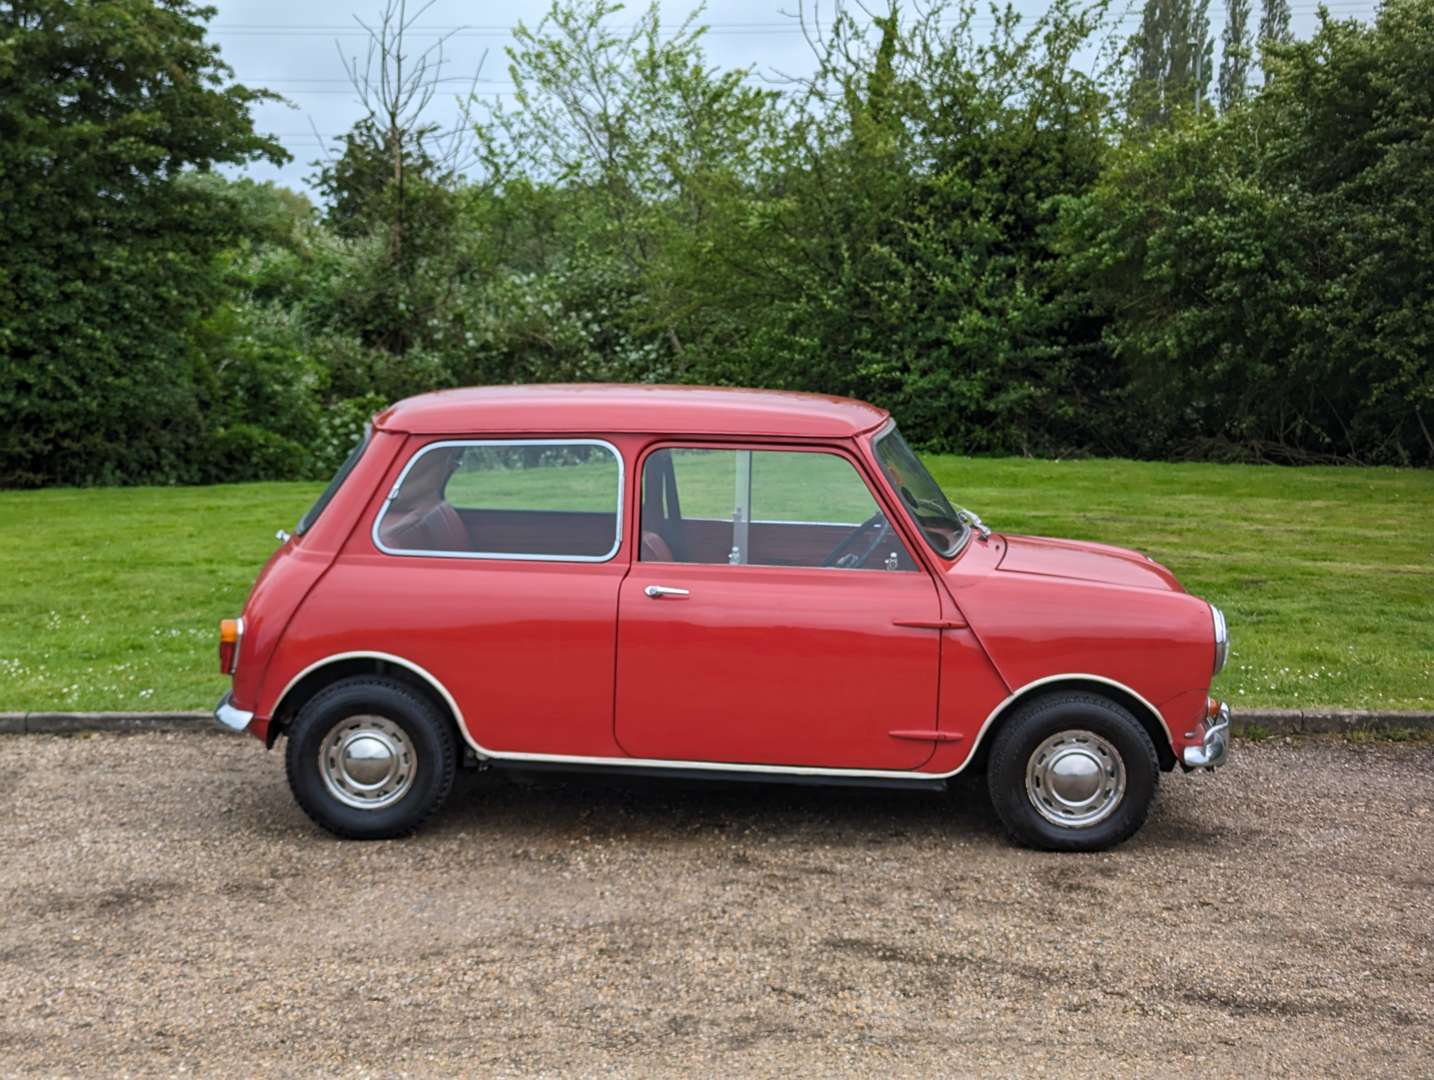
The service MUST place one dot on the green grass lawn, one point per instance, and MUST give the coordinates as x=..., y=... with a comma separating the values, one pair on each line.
x=109, y=597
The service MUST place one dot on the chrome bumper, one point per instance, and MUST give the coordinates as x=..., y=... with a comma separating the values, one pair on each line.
x=1214, y=748
x=232, y=718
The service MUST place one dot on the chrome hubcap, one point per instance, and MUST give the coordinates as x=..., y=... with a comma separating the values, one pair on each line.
x=367, y=762
x=1075, y=779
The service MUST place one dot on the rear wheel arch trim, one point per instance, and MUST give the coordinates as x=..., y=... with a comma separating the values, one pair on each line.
x=338, y=658
x=1072, y=678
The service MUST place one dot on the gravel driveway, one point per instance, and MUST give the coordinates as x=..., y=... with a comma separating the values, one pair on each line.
x=167, y=908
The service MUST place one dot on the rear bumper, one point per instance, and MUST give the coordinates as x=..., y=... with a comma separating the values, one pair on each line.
x=1214, y=748
x=232, y=718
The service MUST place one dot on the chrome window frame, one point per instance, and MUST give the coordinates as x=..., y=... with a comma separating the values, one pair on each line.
x=505, y=555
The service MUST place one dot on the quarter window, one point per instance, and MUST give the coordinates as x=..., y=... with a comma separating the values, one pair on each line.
x=312, y=514
x=764, y=508
x=534, y=499
x=939, y=521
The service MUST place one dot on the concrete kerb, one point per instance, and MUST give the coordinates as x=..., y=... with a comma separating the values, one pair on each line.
x=1318, y=721
x=85, y=723
x=1313, y=721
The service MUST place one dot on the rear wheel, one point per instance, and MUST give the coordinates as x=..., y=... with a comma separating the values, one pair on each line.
x=368, y=758
x=1072, y=771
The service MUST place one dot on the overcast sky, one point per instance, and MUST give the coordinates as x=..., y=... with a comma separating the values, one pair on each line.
x=292, y=47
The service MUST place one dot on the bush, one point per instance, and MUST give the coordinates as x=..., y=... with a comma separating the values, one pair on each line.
x=109, y=248
x=1268, y=275
x=339, y=431
x=961, y=229
x=249, y=452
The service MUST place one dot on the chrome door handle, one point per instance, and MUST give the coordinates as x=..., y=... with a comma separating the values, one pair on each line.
x=657, y=592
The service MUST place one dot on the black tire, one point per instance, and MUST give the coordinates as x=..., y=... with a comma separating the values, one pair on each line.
x=433, y=761
x=1045, y=718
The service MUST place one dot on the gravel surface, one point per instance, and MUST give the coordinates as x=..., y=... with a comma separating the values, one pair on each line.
x=168, y=909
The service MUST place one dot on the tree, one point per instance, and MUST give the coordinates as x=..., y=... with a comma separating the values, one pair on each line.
x=107, y=252
x=1269, y=276
x=395, y=181
x=1235, y=54
x=1171, y=59
x=394, y=156
x=383, y=179
x=649, y=148
x=1274, y=31
x=902, y=253
x=1275, y=22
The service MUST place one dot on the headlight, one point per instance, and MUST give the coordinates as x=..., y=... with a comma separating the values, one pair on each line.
x=1222, y=638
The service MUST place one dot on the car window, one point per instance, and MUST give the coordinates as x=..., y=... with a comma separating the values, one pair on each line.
x=765, y=508
x=498, y=499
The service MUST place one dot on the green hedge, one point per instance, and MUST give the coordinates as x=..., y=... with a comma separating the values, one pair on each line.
x=959, y=226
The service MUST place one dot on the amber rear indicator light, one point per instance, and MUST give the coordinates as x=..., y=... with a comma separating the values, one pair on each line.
x=230, y=632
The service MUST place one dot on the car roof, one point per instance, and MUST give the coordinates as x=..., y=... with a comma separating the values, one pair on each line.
x=597, y=408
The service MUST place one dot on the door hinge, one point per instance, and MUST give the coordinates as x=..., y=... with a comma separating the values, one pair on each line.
x=928, y=736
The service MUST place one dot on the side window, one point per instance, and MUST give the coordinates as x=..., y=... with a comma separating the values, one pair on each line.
x=535, y=499
x=764, y=508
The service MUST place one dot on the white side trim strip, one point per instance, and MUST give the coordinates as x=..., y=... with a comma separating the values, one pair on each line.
x=718, y=766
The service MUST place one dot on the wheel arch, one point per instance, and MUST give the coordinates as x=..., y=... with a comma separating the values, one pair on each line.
x=331, y=669
x=1143, y=711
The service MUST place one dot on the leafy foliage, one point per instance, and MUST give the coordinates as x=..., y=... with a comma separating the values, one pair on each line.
x=107, y=246
x=1269, y=276
x=908, y=258
x=880, y=230
x=1170, y=60
x=1235, y=54
x=1275, y=22
x=1017, y=241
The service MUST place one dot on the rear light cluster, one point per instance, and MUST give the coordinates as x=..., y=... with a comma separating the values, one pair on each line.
x=231, y=634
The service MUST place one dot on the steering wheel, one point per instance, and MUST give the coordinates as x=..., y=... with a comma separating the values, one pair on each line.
x=845, y=555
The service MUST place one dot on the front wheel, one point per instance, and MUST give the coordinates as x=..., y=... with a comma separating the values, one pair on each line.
x=368, y=758
x=1072, y=772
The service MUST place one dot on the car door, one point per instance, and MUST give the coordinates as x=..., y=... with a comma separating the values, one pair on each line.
x=761, y=622
x=498, y=573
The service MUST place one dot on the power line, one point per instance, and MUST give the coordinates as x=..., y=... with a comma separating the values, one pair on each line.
x=347, y=81
x=712, y=27
x=356, y=93
x=300, y=86
x=1337, y=7
x=322, y=135
x=470, y=30
x=342, y=87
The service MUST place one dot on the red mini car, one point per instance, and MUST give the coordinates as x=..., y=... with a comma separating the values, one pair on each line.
x=705, y=582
